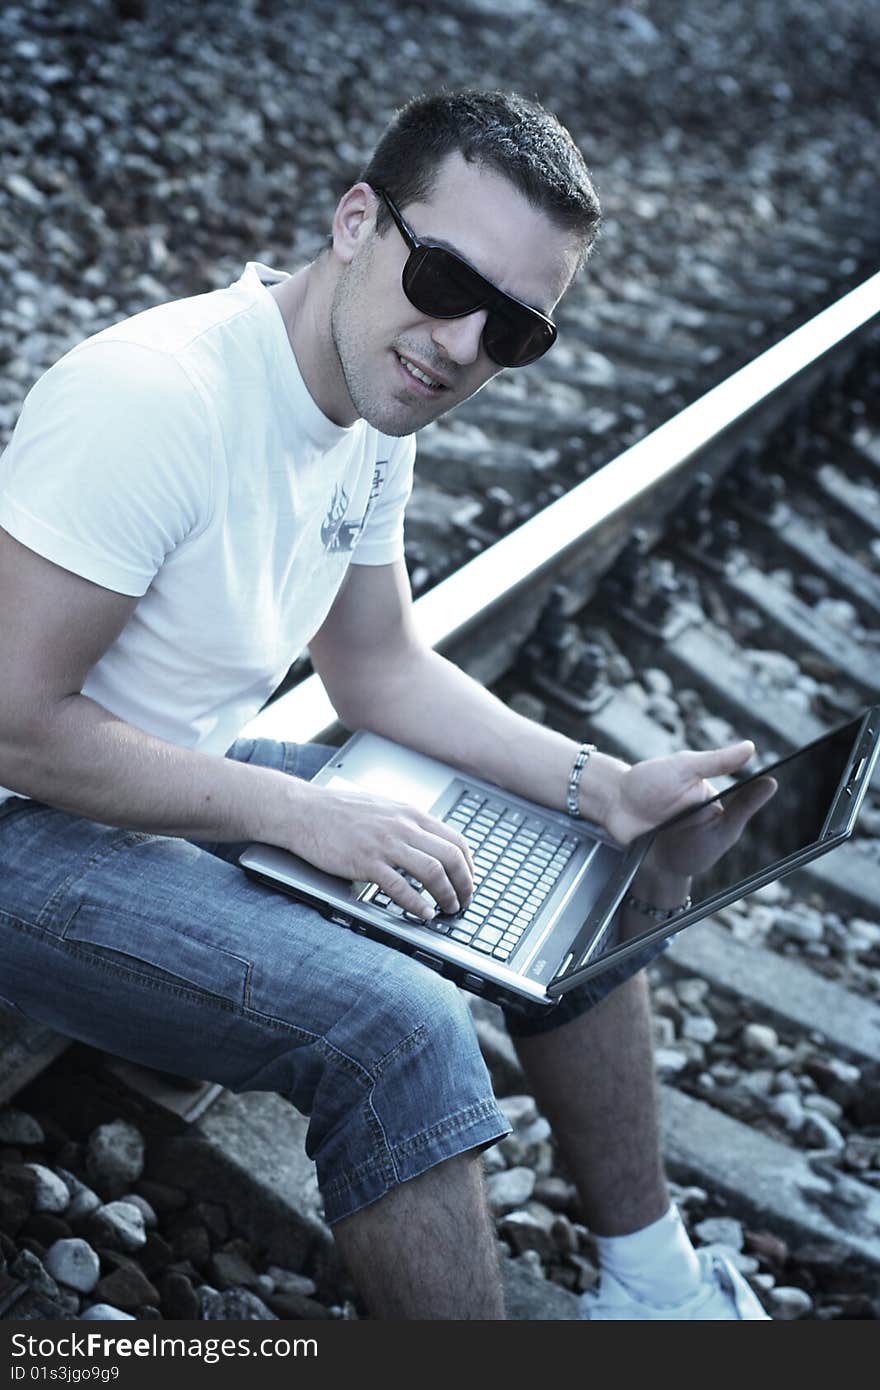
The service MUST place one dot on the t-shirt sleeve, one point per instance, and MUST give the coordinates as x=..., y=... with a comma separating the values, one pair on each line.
x=109, y=467
x=381, y=540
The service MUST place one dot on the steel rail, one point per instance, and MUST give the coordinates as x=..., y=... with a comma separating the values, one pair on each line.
x=542, y=543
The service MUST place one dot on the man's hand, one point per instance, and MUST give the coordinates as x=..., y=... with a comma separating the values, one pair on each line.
x=652, y=791
x=362, y=837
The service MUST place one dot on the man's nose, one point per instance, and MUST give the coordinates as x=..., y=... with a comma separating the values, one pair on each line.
x=460, y=338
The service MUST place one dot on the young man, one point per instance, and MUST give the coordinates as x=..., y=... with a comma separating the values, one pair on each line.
x=189, y=498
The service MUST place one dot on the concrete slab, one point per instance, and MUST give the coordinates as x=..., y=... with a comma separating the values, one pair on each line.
x=803, y=630
x=766, y=1181
x=699, y=658
x=848, y=498
x=624, y=730
x=788, y=990
x=846, y=878
x=249, y=1150
x=26, y=1049
x=530, y=1298
x=798, y=540
x=175, y=1094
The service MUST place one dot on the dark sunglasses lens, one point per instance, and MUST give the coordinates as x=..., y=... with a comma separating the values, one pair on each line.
x=439, y=284
x=513, y=339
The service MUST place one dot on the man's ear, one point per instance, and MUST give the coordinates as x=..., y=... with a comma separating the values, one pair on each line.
x=353, y=221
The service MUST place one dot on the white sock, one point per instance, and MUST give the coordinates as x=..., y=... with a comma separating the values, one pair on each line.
x=657, y=1264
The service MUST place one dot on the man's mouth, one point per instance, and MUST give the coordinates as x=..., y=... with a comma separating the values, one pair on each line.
x=428, y=382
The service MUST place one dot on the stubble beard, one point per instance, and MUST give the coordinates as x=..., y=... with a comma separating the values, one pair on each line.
x=356, y=355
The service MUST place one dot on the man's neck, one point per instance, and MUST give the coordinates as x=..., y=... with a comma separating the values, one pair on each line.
x=304, y=304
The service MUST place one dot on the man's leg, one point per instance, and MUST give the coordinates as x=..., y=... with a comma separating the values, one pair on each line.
x=427, y=1249
x=165, y=954
x=593, y=1078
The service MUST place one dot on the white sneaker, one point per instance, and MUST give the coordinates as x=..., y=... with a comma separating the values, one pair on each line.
x=723, y=1296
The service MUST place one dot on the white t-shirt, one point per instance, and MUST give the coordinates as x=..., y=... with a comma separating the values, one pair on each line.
x=178, y=456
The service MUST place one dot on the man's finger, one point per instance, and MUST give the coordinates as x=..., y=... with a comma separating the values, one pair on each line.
x=714, y=762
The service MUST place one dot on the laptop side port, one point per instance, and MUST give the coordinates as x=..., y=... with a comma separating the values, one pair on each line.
x=431, y=961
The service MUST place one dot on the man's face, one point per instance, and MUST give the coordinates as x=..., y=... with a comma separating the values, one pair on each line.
x=377, y=332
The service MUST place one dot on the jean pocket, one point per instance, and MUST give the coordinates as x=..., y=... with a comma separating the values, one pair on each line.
x=138, y=945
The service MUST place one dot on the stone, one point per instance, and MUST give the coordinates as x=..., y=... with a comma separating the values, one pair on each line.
x=788, y=1108
x=787, y=1303
x=699, y=1028
x=510, y=1189
x=664, y=1030
x=866, y=933
x=214, y=1219
x=519, y=1111
x=179, y=1298
x=525, y=1231
x=151, y=1221
x=802, y=925
x=657, y=682
x=83, y=1200
x=115, y=1157
x=18, y=1127
x=494, y=1159
x=104, y=1312
x=497, y=1049
x=820, y=1133
x=287, y=1304
x=163, y=1197
x=155, y=1255
x=127, y=1287
x=760, y=1039
x=190, y=1241
x=74, y=1263
x=536, y=1134
x=824, y=1105
x=767, y=1246
x=720, y=1230
x=288, y=1281
x=238, y=1305
x=120, y=1224
x=227, y=1270
x=556, y=1193
x=31, y=1271
x=22, y=189
x=669, y=1061
x=692, y=993
x=51, y=1191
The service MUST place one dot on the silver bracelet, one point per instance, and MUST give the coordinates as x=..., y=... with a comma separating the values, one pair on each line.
x=572, y=803
x=660, y=914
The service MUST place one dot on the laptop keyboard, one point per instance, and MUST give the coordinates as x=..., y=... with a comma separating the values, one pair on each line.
x=518, y=860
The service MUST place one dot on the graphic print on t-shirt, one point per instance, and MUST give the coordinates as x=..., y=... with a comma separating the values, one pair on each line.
x=337, y=534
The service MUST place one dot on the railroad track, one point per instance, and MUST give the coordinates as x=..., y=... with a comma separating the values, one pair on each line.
x=642, y=577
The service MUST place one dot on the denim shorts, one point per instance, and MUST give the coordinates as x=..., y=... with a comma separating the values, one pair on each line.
x=162, y=951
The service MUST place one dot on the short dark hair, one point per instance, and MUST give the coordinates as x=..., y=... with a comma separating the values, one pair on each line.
x=503, y=131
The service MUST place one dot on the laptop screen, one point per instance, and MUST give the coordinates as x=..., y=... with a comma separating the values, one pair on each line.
x=739, y=837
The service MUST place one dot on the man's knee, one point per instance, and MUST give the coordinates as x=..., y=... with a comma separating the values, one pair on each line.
x=425, y=1096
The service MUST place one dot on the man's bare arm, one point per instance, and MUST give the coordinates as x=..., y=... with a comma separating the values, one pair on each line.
x=60, y=747
x=381, y=676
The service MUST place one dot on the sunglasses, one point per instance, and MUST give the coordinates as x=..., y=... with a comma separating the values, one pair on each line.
x=443, y=286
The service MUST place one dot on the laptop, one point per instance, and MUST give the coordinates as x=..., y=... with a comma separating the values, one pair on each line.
x=549, y=910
